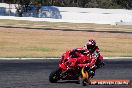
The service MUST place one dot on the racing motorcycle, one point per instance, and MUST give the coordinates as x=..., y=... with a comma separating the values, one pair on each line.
x=68, y=69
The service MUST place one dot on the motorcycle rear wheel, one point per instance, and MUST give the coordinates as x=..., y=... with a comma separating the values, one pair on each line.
x=84, y=81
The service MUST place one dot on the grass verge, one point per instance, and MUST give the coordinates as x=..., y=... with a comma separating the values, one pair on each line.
x=23, y=39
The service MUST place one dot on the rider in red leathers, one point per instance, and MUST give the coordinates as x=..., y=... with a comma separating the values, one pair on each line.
x=88, y=56
x=78, y=64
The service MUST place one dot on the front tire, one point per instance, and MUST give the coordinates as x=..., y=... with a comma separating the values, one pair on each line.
x=55, y=76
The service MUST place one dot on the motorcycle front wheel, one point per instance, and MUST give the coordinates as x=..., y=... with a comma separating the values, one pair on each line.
x=55, y=76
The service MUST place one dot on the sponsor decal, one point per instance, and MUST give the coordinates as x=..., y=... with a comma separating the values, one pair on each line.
x=110, y=82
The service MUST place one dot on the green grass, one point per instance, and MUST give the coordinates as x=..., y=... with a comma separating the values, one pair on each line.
x=22, y=39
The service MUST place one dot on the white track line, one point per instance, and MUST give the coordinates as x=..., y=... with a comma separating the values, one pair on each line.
x=58, y=58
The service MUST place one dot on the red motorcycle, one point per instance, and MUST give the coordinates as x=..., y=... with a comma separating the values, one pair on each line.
x=69, y=70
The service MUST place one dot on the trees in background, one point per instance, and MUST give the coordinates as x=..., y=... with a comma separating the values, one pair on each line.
x=124, y=3
x=127, y=4
x=23, y=6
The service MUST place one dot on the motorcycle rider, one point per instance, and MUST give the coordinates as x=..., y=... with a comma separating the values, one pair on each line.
x=79, y=64
x=89, y=56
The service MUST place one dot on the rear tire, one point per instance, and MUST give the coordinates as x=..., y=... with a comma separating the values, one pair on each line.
x=55, y=76
x=84, y=81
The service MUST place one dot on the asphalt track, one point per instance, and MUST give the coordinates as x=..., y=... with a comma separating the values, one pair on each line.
x=34, y=74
